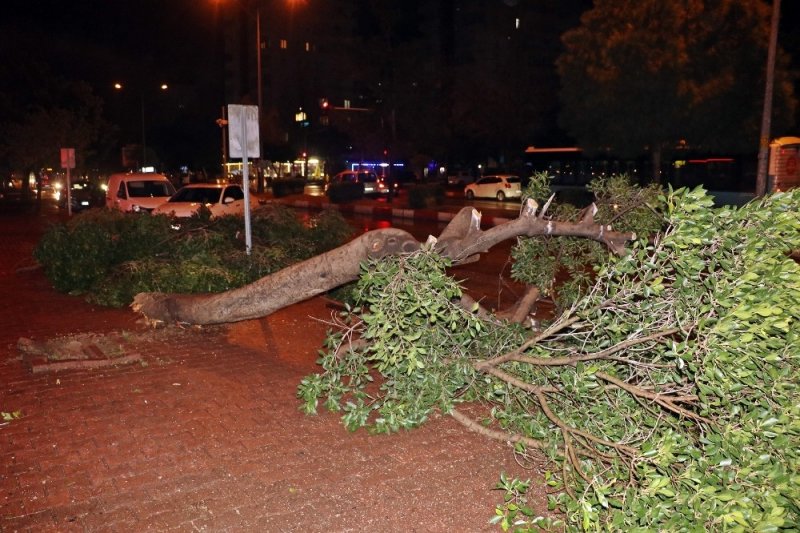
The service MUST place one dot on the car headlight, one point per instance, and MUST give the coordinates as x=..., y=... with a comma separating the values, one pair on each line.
x=135, y=208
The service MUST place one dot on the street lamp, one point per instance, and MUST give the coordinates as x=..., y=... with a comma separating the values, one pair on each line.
x=259, y=83
x=259, y=77
x=766, y=115
x=163, y=87
x=259, y=71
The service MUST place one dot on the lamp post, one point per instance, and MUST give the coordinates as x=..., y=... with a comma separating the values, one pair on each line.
x=163, y=87
x=766, y=116
x=248, y=8
x=260, y=99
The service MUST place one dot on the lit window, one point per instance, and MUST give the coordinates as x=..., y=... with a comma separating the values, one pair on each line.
x=308, y=46
x=347, y=104
x=284, y=44
x=516, y=23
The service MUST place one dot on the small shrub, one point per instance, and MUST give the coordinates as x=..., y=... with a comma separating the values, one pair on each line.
x=345, y=192
x=77, y=254
x=286, y=186
x=427, y=195
x=113, y=256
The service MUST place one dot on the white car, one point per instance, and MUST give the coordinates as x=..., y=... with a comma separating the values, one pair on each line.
x=462, y=177
x=220, y=199
x=499, y=186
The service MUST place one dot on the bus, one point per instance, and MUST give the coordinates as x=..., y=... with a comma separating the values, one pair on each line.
x=571, y=167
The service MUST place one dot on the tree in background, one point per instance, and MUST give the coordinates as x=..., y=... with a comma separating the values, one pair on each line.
x=647, y=75
x=44, y=113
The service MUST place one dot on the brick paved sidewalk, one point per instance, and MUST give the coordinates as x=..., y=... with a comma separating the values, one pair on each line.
x=206, y=434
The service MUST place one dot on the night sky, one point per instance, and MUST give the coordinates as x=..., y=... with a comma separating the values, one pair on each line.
x=99, y=40
x=154, y=41
x=104, y=39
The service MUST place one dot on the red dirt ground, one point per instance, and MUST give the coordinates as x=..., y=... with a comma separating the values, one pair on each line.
x=205, y=432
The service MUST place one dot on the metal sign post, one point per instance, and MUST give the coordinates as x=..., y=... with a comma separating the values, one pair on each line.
x=243, y=140
x=68, y=162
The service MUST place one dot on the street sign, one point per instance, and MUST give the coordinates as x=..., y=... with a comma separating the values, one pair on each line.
x=243, y=129
x=68, y=158
x=243, y=141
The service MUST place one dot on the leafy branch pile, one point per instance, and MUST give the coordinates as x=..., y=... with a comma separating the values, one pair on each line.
x=560, y=267
x=666, y=396
x=111, y=256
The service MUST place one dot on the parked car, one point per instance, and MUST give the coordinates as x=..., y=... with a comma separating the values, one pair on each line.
x=403, y=179
x=499, y=186
x=82, y=194
x=372, y=183
x=138, y=191
x=462, y=177
x=220, y=199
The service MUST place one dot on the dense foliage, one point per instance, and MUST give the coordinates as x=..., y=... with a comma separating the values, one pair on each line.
x=567, y=261
x=666, y=397
x=111, y=256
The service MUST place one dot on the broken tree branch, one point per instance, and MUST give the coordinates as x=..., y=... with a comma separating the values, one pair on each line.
x=462, y=240
x=293, y=284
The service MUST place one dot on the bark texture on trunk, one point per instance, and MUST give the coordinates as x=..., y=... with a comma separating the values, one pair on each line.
x=293, y=284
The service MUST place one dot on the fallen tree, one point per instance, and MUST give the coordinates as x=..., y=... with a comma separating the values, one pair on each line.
x=461, y=241
x=665, y=394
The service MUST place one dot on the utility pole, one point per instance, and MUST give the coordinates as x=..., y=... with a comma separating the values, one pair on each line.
x=766, y=116
x=259, y=92
x=222, y=122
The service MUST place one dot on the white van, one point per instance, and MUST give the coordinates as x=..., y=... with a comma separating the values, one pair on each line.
x=138, y=192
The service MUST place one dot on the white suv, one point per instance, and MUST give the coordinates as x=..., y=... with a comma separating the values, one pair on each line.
x=138, y=192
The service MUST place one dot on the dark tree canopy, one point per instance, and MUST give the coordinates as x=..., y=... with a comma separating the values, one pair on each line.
x=646, y=74
x=43, y=112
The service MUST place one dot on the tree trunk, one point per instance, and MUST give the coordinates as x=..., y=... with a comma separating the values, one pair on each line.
x=462, y=241
x=656, y=160
x=275, y=291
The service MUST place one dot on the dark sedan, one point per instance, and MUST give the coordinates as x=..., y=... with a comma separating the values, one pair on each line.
x=83, y=195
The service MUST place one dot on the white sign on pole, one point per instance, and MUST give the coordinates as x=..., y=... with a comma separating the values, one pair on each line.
x=243, y=122
x=244, y=142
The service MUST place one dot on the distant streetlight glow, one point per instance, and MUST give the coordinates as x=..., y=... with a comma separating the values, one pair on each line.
x=119, y=87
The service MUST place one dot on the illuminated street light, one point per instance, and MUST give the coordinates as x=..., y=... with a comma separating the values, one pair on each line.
x=163, y=87
x=301, y=118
